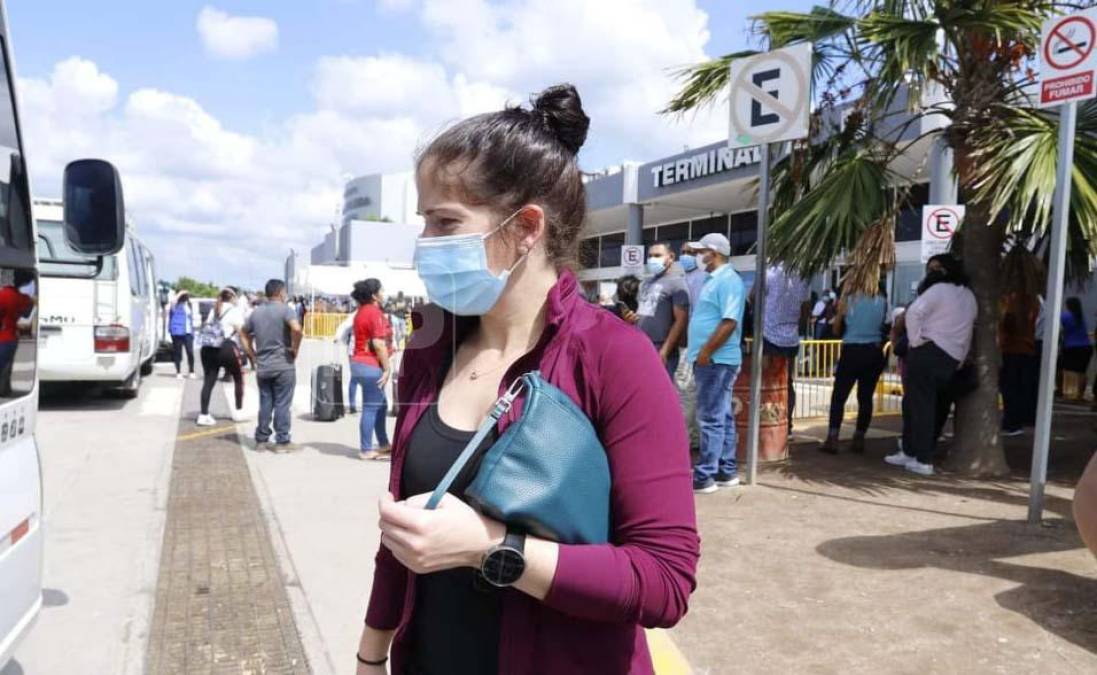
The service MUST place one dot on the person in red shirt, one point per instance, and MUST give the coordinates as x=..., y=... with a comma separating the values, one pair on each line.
x=370, y=369
x=13, y=305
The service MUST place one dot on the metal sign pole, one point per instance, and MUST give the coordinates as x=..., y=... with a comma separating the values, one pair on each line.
x=1053, y=306
x=759, y=310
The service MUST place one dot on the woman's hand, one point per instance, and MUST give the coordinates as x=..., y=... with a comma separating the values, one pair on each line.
x=386, y=375
x=452, y=535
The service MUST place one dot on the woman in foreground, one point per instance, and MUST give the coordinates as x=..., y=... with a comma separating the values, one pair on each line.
x=503, y=203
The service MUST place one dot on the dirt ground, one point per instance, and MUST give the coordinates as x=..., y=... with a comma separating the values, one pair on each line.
x=842, y=564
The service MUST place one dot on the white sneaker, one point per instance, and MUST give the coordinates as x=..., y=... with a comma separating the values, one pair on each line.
x=914, y=466
x=239, y=416
x=179, y=376
x=206, y=421
x=192, y=376
x=730, y=482
x=899, y=458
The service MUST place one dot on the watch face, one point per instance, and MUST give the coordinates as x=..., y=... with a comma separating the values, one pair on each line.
x=503, y=566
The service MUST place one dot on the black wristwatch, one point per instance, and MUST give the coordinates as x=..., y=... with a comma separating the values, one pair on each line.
x=504, y=564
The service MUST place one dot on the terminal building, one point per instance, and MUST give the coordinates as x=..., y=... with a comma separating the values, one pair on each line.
x=713, y=188
x=375, y=237
x=684, y=196
x=675, y=199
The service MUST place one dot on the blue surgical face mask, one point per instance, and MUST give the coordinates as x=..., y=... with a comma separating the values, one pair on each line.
x=455, y=271
x=688, y=262
x=655, y=265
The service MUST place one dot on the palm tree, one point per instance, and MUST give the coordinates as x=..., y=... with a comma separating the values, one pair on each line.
x=881, y=61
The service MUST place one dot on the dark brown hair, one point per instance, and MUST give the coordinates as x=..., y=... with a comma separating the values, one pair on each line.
x=514, y=157
x=365, y=291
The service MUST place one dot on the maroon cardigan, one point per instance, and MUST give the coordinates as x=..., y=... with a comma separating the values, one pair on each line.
x=602, y=595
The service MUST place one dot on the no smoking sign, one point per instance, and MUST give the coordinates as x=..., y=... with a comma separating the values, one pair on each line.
x=1067, y=59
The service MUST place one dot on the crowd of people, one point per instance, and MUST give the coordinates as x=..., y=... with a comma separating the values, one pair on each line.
x=692, y=303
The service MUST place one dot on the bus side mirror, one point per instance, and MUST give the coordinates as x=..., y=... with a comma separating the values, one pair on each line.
x=95, y=213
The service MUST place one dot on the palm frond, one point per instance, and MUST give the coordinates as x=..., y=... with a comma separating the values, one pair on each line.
x=1007, y=21
x=845, y=197
x=905, y=51
x=1015, y=161
x=703, y=83
x=821, y=24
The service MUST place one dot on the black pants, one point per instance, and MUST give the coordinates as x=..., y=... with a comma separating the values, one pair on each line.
x=1018, y=380
x=178, y=344
x=226, y=356
x=859, y=364
x=929, y=373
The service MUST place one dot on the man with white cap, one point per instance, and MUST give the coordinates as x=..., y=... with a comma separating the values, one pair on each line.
x=714, y=350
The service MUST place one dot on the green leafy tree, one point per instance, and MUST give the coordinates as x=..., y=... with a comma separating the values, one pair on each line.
x=197, y=289
x=893, y=64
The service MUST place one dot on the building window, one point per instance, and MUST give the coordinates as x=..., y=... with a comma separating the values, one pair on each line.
x=610, y=255
x=588, y=253
x=675, y=235
x=908, y=225
x=648, y=238
x=703, y=226
x=744, y=232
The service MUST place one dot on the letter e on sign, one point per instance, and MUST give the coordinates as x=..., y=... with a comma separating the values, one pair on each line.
x=939, y=223
x=770, y=96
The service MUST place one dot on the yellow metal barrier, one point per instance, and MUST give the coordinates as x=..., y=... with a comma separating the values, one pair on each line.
x=322, y=324
x=813, y=381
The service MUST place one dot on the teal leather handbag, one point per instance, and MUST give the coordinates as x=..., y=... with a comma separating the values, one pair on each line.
x=548, y=473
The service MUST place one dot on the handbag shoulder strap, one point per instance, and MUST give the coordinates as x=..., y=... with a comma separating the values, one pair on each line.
x=502, y=405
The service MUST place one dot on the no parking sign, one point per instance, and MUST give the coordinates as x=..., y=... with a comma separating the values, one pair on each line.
x=939, y=223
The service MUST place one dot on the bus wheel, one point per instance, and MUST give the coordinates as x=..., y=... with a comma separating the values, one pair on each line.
x=132, y=386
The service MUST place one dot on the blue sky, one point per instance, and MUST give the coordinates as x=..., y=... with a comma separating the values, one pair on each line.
x=276, y=105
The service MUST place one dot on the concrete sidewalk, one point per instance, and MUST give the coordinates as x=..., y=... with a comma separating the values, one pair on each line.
x=321, y=508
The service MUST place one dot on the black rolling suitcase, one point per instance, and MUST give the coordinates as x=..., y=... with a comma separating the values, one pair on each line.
x=327, y=392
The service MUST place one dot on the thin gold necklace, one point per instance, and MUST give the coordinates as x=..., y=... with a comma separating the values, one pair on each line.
x=475, y=374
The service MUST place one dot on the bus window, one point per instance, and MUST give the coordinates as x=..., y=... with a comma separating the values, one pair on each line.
x=54, y=255
x=137, y=270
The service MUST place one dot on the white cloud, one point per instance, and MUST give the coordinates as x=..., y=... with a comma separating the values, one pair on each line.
x=618, y=53
x=236, y=37
x=227, y=204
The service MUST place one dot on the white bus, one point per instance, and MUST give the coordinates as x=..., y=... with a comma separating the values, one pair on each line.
x=99, y=319
x=93, y=226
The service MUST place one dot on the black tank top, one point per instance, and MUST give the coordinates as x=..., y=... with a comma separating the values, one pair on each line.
x=455, y=622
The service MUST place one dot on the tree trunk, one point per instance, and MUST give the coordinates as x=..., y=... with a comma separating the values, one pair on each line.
x=977, y=448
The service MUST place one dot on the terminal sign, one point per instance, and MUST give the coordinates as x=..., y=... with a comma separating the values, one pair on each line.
x=704, y=163
x=939, y=223
x=1068, y=62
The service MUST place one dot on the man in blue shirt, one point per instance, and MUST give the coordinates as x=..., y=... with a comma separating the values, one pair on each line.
x=714, y=339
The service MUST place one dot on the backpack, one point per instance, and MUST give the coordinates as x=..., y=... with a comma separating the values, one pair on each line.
x=212, y=333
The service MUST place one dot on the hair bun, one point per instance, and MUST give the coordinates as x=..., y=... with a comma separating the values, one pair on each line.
x=562, y=111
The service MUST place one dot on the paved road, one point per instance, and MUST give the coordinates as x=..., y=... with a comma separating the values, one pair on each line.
x=106, y=463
